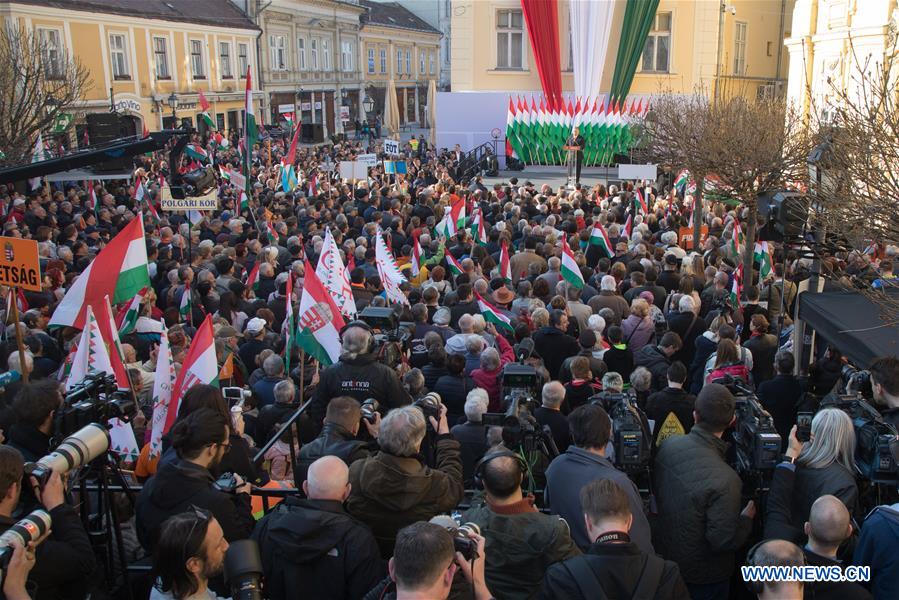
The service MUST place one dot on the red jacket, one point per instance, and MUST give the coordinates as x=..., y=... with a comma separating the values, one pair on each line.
x=491, y=381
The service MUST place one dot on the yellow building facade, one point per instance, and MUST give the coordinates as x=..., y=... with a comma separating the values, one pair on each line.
x=395, y=44
x=719, y=47
x=137, y=60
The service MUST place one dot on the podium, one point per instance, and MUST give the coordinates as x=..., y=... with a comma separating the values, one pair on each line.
x=571, y=163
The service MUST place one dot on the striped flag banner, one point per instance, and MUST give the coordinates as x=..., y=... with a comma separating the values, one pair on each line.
x=491, y=315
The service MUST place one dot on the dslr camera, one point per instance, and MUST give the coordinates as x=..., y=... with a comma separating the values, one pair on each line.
x=96, y=399
x=391, y=337
x=243, y=570
x=370, y=410
x=630, y=438
x=80, y=448
x=30, y=528
x=429, y=405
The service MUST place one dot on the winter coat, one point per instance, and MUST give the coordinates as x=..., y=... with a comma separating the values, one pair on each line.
x=491, y=381
x=680, y=323
x=179, y=485
x=657, y=362
x=554, y=346
x=316, y=545
x=619, y=359
x=705, y=347
x=453, y=390
x=878, y=547
x=780, y=396
x=390, y=492
x=672, y=411
x=763, y=348
x=571, y=471
x=334, y=440
x=811, y=484
x=637, y=332
x=699, y=523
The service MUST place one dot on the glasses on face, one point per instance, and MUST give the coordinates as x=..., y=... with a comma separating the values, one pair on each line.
x=201, y=516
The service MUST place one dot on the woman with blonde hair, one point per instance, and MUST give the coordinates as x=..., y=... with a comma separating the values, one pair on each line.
x=638, y=329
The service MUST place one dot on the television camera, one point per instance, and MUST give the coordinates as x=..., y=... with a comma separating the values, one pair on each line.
x=391, y=336
x=96, y=399
x=630, y=435
x=876, y=442
x=756, y=441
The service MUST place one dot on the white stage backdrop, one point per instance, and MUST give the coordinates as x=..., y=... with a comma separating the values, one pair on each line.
x=591, y=24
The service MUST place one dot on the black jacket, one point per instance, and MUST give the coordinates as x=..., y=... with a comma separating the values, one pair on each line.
x=315, y=545
x=617, y=570
x=472, y=438
x=811, y=484
x=763, y=348
x=65, y=560
x=558, y=424
x=831, y=590
x=361, y=377
x=463, y=308
x=680, y=323
x=31, y=442
x=334, y=440
x=177, y=486
x=453, y=390
x=554, y=346
x=780, y=397
x=620, y=361
x=704, y=349
x=672, y=411
x=699, y=523
x=656, y=361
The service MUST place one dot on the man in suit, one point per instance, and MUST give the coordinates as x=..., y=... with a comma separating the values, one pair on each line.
x=780, y=396
x=576, y=139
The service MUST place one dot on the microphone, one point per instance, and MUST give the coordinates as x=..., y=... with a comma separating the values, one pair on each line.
x=9, y=377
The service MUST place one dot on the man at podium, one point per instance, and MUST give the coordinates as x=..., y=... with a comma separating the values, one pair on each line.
x=576, y=140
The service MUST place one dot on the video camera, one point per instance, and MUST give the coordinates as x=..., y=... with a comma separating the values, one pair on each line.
x=520, y=381
x=876, y=442
x=630, y=438
x=391, y=336
x=80, y=448
x=756, y=440
x=96, y=399
x=30, y=528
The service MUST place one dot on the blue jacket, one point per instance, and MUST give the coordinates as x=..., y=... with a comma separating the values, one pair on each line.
x=574, y=469
x=878, y=547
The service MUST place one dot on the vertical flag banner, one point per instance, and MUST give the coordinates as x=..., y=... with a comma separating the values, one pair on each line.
x=200, y=366
x=319, y=323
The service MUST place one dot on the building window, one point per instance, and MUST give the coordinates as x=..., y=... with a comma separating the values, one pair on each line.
x=225, y=60
x=740, y=48
x=197, y=67
x=432, y=56
x=509, y=32
x=118, y=52
x=301, y=53
x=161, y=57
x=449, y=51
x=371, y=61
x=243, y=59
x=657, y=51
x=326, y=54
x=346, y=55
x=383, y=60
x=421, y=61
x=408, y=61
x=277, y=47
x=51, y=48
x=399, y=61
x=313, y=46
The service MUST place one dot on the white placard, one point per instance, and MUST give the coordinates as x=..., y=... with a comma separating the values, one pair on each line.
x=391, y=147
x=649, y=172
x=286, y=108
x=207, y=202
x=345, y=113
x=368, y=159
x=306, y=106
x=238, y=180
x=353, y=169
x=318, y=106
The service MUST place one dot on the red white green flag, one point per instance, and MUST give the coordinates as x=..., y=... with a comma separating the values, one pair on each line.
x=185, y=308
x=571, y=272
x=736, y=287
x=163, y=382
x=505, y=265
x=491, y=315
x=477, y=227
x=600, y=237
x=287, y=327
x=629, y=226
x=200, y=366
x=253, y=277
x=333, y=275
x=319, y=322
x=204, y=106
x=196, y=152
x=638, y=193
x=452, y=263
x=415, y=261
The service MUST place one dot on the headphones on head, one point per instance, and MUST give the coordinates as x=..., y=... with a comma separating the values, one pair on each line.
x=757, y=587
x=370, y=345
x=481, y=464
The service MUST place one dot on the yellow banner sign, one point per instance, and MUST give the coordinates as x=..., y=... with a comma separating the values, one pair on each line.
x=20, y=265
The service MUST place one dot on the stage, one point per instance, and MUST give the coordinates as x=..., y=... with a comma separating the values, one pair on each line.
x=556, y=176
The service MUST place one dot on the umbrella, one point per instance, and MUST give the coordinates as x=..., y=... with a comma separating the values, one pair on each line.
x=391, y=111
x=432, y=112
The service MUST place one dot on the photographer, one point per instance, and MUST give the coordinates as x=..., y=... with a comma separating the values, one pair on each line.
x=394, y=488
x=190, y=551
x=200, y=442
x=358, y=374
x=583, y=462
x=35, y=406
x=613, y=567
x=425, y=562
x=885, y=387
x=700, y=525
x=523, y=541
x=65, y=559
x=338, y=437
x=314, y=543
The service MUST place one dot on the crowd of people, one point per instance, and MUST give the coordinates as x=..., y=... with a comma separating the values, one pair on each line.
x=651, y=319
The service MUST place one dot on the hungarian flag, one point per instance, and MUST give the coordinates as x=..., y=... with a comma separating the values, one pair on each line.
x=204, y=106
x=103, y=315
x=505, y=265
x=599, y=237
x=224, y=173
x=21, y=302
x=477, y=228
x=736, y=288
x=762, y=254
x=92, y=197
x=680, y=181
x=452, y=263
x=333, y=276
x=162, y=393
x=736, y=239
x=638, y=194
x=253, y=277
x=250, y=133
x=491, y=315
x=119, y=271
x=271, y=233
x=571, y=272
x=184, y=309
x=196, y=152
x=221, y=142
x=126, y=319
x=457, y=213
x=415, y=261
x=291, y=157
x=287, y=327
x=38, y=155
x=319, y=323
x=200, y=366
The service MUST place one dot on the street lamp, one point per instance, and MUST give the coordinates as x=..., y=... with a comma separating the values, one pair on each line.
x=173, y=104
x=368, y=104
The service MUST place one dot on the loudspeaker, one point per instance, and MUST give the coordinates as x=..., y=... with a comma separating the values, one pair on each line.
x=107, y=127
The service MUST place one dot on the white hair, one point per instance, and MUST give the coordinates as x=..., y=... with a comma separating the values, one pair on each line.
x=608, y=284
x=597, y=324
x=402, y=431
x=476, y=404
x=13, y=364
x=553, y=394
x=490, y=359
x=685, y=304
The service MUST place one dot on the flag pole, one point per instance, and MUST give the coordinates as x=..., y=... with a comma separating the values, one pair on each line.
x=302, y=373
x=20, y=342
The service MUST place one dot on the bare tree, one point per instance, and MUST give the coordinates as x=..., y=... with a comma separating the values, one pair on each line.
x=38, y=83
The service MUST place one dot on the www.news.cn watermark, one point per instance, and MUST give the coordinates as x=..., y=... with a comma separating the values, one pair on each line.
x=807, y=574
